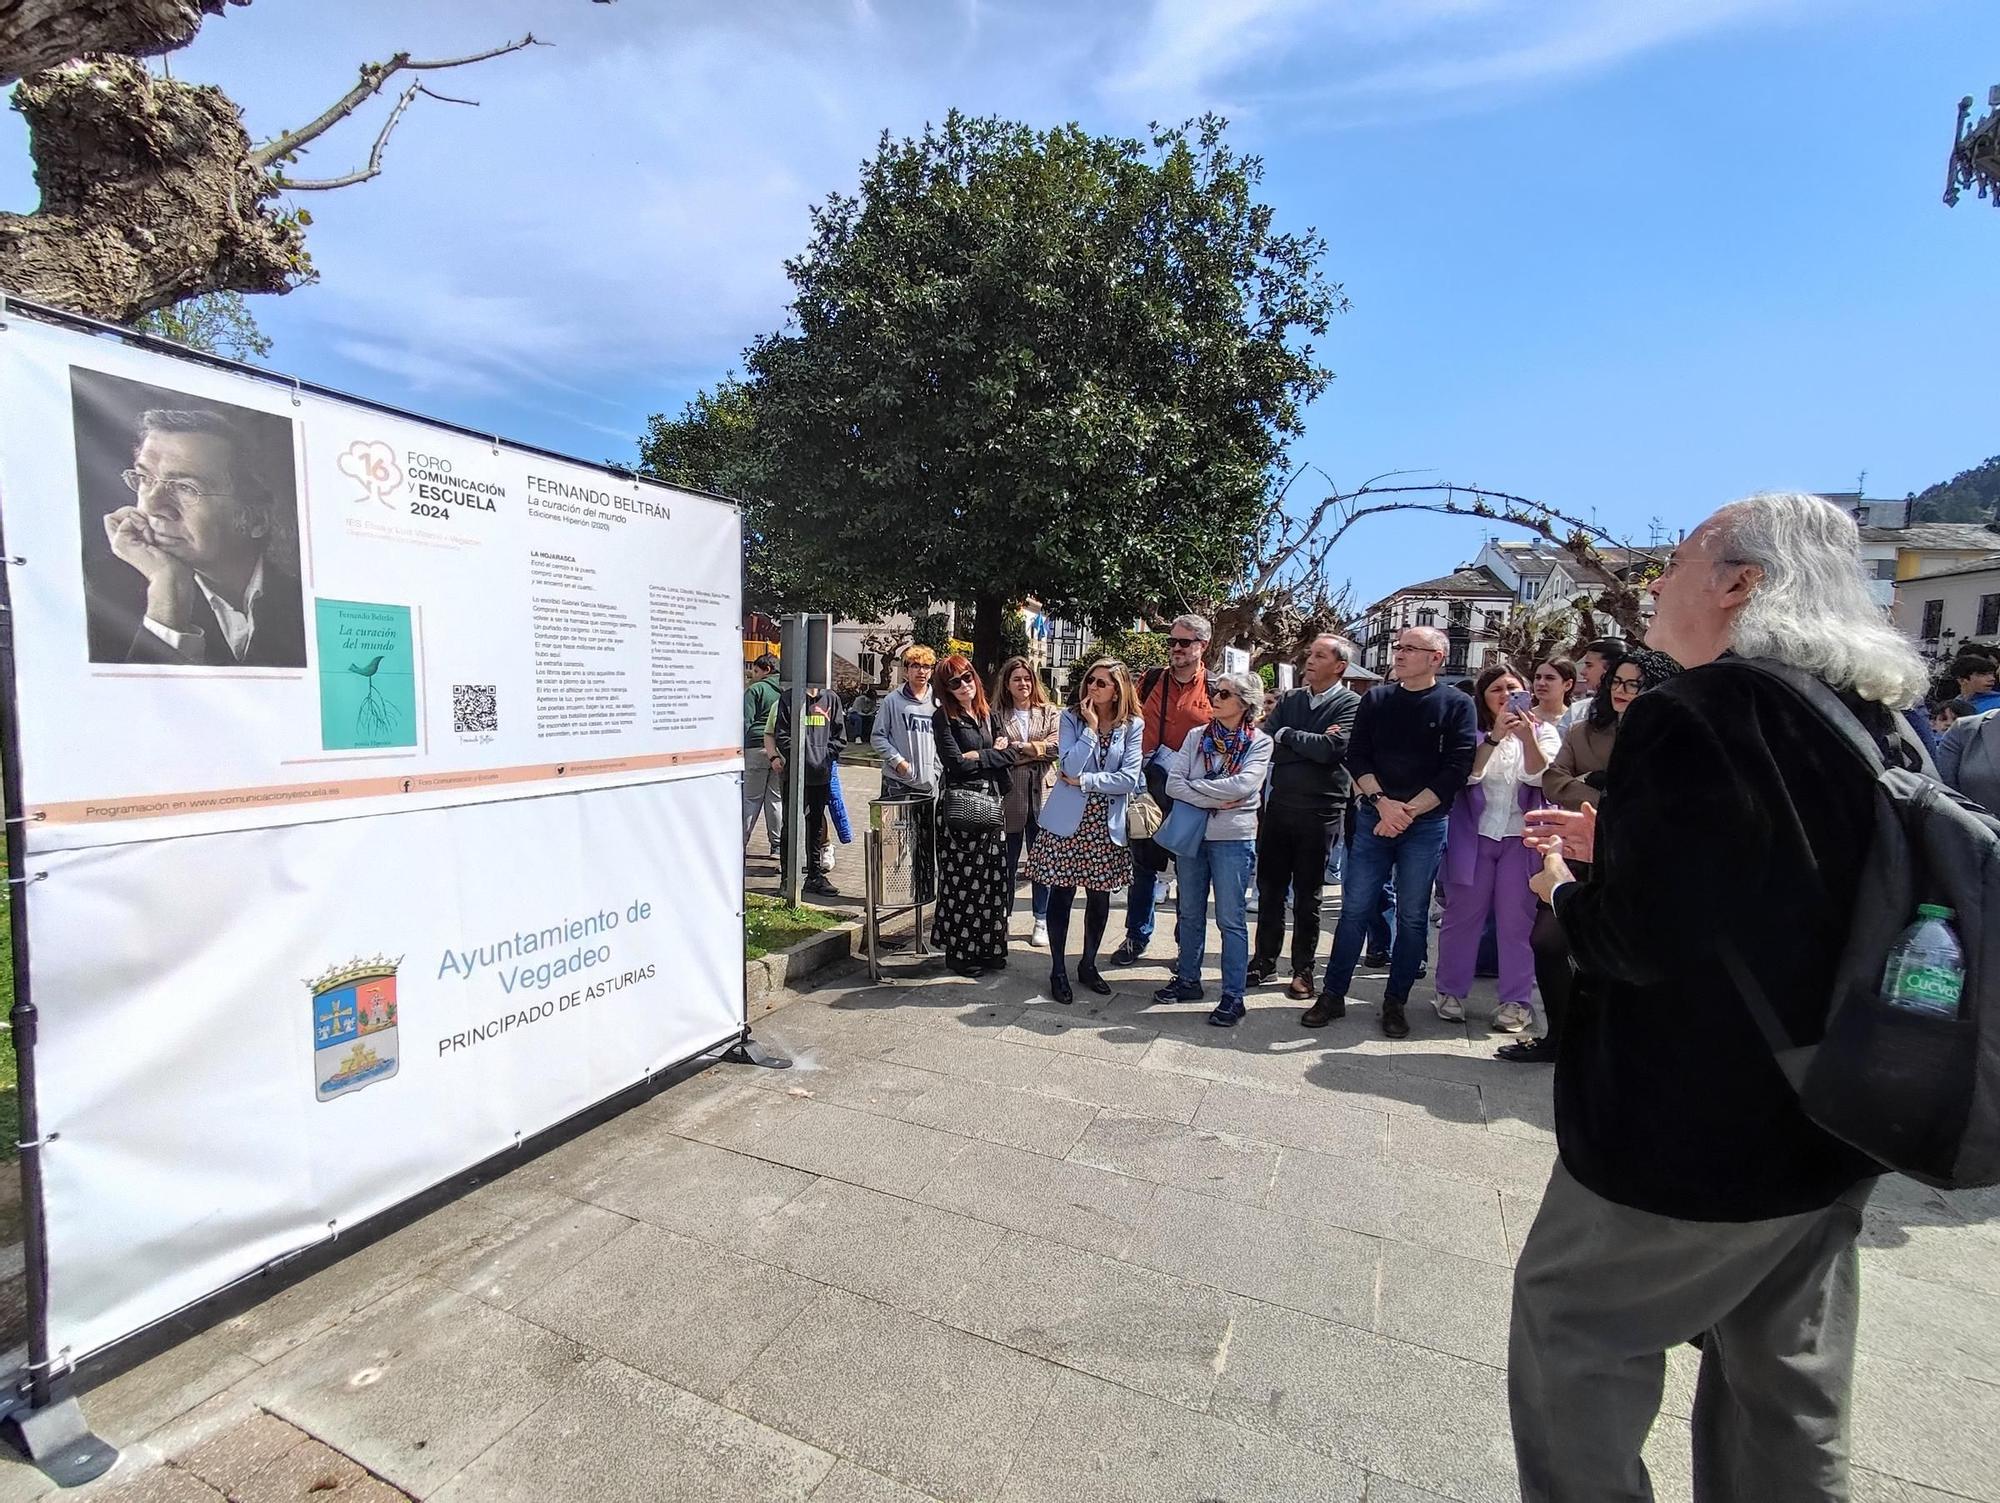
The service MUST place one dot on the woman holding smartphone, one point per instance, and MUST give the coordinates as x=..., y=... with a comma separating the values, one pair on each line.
x=1486, y=867
x=1575, y=779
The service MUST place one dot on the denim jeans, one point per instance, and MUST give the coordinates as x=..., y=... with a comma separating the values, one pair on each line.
x=1412, y=860
x=1226, y=866
x=1385, y=916
x=1019, y=841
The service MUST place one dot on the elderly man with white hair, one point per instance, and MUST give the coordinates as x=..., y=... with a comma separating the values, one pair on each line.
x=1694, y=1200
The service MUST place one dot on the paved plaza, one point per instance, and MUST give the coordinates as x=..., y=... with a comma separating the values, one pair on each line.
x=979, y=1246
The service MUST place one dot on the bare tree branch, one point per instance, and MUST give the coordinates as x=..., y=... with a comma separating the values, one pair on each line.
x=374, y=167
x=373, y=76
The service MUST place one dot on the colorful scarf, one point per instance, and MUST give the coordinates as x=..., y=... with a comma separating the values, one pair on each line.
x=1223, y=751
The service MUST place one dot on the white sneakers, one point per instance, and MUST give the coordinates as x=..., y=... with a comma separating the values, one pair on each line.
x=1511, y=1017
x=1040, y=938
x=1451, y=1009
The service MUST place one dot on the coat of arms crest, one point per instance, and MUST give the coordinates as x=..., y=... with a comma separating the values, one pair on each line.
x=354, y=1025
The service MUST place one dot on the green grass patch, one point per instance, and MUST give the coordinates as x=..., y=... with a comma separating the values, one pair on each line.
x=769, y=925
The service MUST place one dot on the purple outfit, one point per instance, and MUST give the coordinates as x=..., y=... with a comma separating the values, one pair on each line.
x=1487, y=876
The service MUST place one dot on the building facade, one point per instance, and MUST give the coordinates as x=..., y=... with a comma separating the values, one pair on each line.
x=1943, y=607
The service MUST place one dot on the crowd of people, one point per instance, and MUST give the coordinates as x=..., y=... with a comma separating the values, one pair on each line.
x=1649, y=840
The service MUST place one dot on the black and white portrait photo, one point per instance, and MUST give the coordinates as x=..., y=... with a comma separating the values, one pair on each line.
x=190, y=528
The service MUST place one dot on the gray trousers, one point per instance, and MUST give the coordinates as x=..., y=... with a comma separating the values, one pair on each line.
x=1600, y=1294
x=763, y=790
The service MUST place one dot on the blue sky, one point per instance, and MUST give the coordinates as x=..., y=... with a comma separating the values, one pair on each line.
x=1632, y=258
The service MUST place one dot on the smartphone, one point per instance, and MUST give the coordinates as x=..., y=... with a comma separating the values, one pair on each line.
x=1518, y=702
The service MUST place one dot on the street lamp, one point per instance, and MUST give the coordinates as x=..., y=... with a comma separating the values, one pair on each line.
x=1975, y=152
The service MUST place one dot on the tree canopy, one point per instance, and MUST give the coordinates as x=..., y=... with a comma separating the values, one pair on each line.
x=1021, y=363
x=1969, y=496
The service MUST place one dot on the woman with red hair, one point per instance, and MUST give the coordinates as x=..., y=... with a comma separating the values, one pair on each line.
x=974, y=895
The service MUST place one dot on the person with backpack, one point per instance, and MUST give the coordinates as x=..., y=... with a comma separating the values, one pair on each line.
x=1695, y=1198
x=821, y=735
x=762, y=793
x=1172, y=702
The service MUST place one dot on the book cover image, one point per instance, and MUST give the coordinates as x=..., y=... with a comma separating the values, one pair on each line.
x=367, y=675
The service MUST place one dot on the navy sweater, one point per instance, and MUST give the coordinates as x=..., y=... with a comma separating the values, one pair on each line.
x=1412, y=739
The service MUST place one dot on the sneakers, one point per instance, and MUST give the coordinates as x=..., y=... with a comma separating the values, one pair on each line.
x=819, y=887
x=1323, y=1012
x=1511, y=1017
x=1451, y=1009
x=1228, y=1013
x=1127, y=954
x=1040, y=938
x=1178, y=990
x=1394, y=1024
x=1260, y=971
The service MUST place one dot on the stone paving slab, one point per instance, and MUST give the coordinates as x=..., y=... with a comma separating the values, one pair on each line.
x=978, y=1246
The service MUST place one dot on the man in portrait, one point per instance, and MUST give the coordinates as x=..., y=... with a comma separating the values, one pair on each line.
x=214, y=540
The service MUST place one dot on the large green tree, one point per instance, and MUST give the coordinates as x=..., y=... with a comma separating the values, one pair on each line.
x=1034, y=362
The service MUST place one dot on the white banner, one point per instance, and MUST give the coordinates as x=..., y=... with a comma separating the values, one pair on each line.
x=383, y=805
x=256, y=606
x=252, y=1040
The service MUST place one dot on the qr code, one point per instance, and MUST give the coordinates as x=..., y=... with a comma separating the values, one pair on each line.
x=473, y=708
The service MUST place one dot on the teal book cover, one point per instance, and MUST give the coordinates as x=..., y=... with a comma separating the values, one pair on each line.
x=367, y=675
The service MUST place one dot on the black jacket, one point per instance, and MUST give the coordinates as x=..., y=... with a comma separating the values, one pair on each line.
x=1730, y=813
x=278, y=639
x=824, y=733
x=1309, y=762
x=955, y=735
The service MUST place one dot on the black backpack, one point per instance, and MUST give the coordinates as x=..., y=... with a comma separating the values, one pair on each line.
x=1917, y=1092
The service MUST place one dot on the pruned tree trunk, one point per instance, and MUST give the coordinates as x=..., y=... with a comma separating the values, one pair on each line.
x=149, y=195
x=38, y=34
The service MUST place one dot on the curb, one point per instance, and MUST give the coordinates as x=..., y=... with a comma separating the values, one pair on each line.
x=788, y=968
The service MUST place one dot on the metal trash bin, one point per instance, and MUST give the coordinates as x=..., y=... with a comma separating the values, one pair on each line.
x=900, y=858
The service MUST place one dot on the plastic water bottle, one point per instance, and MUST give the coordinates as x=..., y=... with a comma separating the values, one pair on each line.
x=1926, y=969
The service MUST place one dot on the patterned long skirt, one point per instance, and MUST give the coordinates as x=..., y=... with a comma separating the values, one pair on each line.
x=973, y=897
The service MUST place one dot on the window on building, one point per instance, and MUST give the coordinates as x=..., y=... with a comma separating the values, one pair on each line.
x=1882, y=568
x=1933, y=620
x=1989, y=616
x=1530, y=588
x=1427, y=617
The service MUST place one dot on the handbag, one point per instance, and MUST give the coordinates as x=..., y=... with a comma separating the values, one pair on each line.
x=972, y=810
x=1183, y=831
x=1142, y=817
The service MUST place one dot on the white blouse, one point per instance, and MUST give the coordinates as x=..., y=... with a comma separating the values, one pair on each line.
x=1503, y=776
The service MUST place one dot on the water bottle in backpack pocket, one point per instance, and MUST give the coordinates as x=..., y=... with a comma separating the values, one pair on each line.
x=1926, y=969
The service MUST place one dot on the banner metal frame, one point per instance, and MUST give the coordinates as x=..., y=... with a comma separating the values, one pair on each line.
x=38, y=1412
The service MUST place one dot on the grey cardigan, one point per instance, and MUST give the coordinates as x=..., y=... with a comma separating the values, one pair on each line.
x=1188, y=783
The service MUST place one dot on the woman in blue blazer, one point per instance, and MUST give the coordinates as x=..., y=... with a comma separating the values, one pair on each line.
x=1082, y=842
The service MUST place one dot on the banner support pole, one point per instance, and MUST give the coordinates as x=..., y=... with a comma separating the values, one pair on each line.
x=45, y=1420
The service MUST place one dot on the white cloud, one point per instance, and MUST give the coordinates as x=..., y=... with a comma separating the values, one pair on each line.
x=616, y=212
